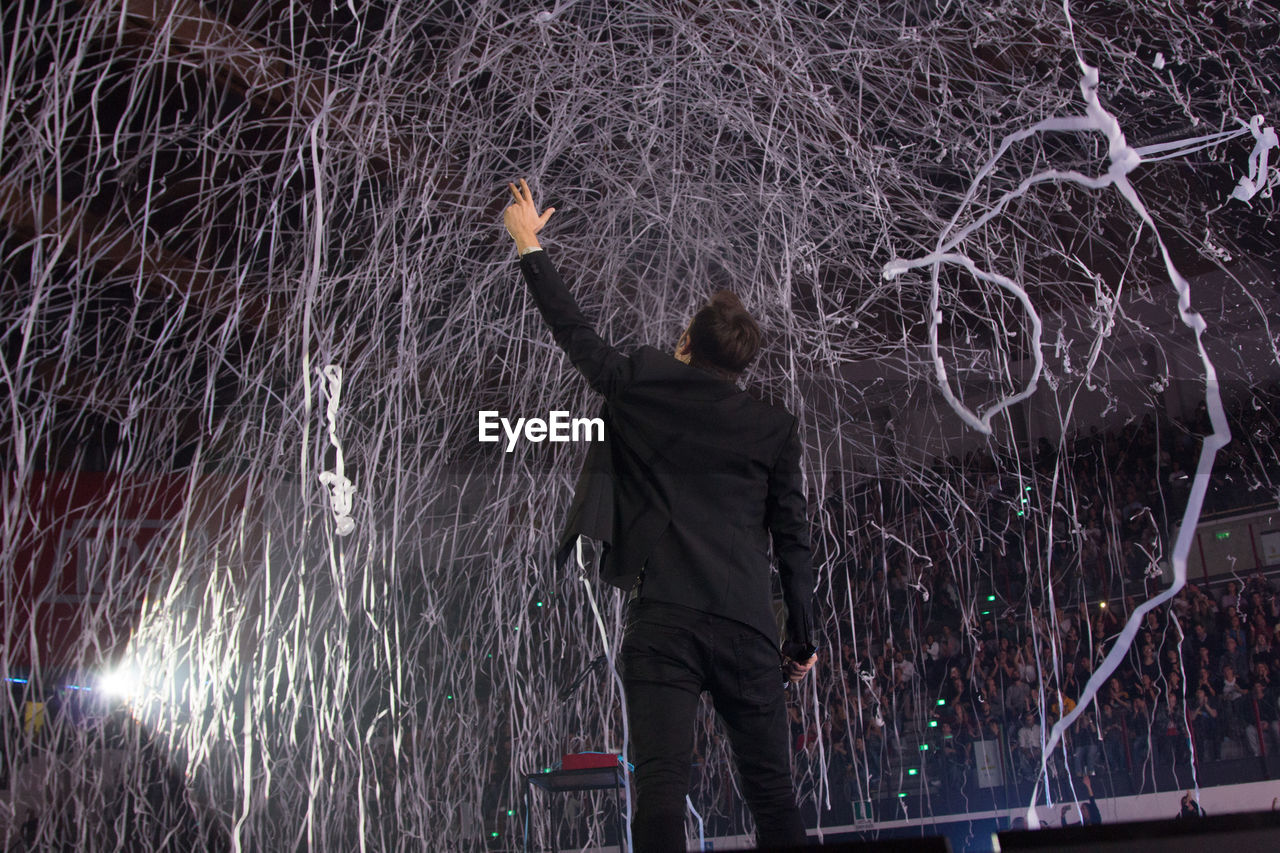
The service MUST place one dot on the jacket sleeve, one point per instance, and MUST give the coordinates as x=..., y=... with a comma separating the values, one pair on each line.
x=603, y=366
x=788, y=522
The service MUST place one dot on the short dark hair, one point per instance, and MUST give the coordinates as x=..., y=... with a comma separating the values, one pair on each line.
x=723, y=336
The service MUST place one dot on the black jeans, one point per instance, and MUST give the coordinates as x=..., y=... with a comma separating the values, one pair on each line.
x=669, y=655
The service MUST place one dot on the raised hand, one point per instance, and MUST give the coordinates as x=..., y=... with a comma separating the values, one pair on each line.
x=522, y=218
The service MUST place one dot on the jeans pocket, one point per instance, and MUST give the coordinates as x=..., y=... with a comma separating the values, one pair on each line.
x=653, y=651
x=759, y=667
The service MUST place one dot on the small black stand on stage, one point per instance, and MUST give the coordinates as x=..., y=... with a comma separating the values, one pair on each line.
x=569, y=781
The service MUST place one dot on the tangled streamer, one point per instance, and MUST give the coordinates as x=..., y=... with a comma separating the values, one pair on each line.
x=962, y=273
x=341, y=490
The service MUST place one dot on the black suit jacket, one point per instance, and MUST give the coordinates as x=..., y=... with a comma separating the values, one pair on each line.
x=694, y=481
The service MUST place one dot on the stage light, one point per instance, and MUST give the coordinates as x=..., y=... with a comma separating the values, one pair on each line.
x=511, y=812
x=924, y=747
x=933, y=724
x=942, y=702
x=1102, y=604
x=991, y=598
x=911, y=771
x=903, y=794
x=539, y=603
x=121, y=683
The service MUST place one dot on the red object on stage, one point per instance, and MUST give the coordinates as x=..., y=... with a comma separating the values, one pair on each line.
x=589, y=760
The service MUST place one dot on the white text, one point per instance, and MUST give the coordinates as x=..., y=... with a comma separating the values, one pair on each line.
x=557, y=427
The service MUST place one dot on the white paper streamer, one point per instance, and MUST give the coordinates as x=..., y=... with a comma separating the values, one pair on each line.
x=341, y=490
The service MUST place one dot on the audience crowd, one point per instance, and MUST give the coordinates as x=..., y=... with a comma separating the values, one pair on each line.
x=971, y=624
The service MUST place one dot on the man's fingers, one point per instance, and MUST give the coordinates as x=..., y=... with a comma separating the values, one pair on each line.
x=797, y=670
x=546, y=214
x=521, y=193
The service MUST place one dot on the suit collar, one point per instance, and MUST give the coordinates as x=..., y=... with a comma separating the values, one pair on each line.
x=692, y=380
